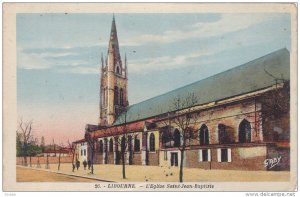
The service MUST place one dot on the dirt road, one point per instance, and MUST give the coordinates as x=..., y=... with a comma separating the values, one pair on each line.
x=30, y=175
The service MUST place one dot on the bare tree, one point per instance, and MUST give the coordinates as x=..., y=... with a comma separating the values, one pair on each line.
x=182, y=117
x=91, y=140
x=72, y=148
x=61, y=148
x=123, y=140
x=24, y=132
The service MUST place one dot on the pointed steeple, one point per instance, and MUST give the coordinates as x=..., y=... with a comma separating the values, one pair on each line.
x=113, y=49
x=113, y=35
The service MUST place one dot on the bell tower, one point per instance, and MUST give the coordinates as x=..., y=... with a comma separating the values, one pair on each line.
x=113, y=81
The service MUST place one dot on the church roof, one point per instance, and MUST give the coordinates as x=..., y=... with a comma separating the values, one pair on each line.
x=249, y=77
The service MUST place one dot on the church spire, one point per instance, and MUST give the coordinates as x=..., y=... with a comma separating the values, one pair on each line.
x=114, y=81
x=113, y=34
x=113, y=47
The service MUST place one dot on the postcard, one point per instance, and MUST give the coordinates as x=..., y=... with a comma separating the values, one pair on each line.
x=150, y=97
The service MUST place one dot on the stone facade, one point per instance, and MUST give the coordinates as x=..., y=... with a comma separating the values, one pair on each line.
x=113, y=88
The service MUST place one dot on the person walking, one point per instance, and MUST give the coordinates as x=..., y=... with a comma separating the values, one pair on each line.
x=77, y=164
x=73, y=165
x=84, y=164
x=89, y=164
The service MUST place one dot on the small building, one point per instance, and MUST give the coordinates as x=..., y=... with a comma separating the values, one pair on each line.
x=81, y=151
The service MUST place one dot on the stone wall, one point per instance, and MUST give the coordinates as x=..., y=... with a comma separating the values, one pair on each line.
x=43, y=160
x=137, y=158
x=153, y=158
x=242, y=158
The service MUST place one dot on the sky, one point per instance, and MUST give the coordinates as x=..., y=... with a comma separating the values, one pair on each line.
x=58, y=59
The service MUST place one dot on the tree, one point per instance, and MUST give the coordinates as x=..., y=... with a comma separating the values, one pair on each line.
x=123, y=140
x=32, y=150
x=24, y=137
x=182, y=117
x=59, y=155
x=19, y=145
x=72, y=148
x=91, y=140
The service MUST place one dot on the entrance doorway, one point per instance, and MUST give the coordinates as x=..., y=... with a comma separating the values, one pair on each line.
x=174, y=159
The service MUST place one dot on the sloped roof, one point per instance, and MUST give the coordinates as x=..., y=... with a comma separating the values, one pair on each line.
x=243, y=79
x=118, y=130
x=79, y=141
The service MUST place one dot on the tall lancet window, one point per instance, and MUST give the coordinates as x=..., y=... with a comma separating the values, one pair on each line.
x=121, y=97
x=203, y=135
x=116, y=96
x=118, y=70
x=245, y=132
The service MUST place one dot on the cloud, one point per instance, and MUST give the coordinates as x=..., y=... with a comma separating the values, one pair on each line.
x=82, y=70
x=228, y=23
x=169, y=62
x=63, y=60
x=31, y=61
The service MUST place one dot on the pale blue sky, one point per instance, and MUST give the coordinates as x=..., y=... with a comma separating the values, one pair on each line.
x=58, y=58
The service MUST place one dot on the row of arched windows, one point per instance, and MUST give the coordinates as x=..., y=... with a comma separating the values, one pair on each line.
x=110, y=145
x=174, y=139
x=224, y=133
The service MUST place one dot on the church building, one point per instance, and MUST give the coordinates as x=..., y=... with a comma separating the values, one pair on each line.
x=235, y=120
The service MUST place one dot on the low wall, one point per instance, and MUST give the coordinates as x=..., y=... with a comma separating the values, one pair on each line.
x=43, y=160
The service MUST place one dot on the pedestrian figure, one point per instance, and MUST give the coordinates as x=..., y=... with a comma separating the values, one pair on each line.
x=77, y=164
x=84, y=164
x=89, y=164
x=73, y=165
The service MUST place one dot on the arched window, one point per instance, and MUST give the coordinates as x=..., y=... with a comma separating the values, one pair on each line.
x=222, y=133
x=101, y=146
x=123, y=145
x=118, y=70
x=245, y=132
x=163, y=139
x=136, y=144
x=176, y=138
x=152, y=142
x=203, y=135
x=129, y=143
x=111, y=145
x=116, y=96
x=121, y=97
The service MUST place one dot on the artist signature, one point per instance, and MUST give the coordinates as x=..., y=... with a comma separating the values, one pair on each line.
x=270, y=163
